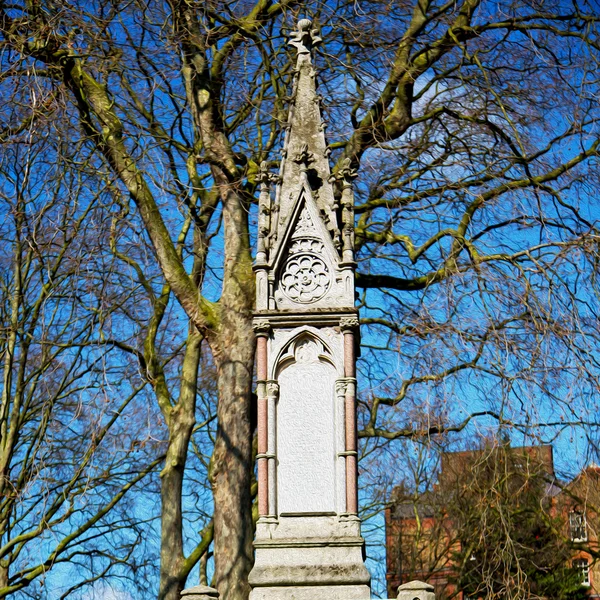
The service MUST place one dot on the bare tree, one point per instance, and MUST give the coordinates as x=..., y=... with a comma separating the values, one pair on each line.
x=474, y=128
x=168, y=353
x=66, y=454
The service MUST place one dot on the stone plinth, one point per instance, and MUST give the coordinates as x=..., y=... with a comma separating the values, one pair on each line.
x=300, y=558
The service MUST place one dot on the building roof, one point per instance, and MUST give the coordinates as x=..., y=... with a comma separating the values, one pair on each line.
x=531, y=460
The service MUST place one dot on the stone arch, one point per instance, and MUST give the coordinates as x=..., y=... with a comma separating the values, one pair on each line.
x=325, y=351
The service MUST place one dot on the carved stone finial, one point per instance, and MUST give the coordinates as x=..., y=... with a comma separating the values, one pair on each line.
x=304, y=38
x=264, y=175
x=264, y=214
x=304, y=157
x=346, y=173
x=416, y=590
x=200, y=592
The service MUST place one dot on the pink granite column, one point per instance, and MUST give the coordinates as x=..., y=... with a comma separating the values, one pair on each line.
x=348, y=325
x=262, y=333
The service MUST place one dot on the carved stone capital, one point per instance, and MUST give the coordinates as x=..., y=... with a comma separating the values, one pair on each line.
x=349, y=323
x=262, y=328
x=340, y=387
x=272, y=389
x=345, y=386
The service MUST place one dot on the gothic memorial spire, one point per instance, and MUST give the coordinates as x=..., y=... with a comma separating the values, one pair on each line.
x=308, y=542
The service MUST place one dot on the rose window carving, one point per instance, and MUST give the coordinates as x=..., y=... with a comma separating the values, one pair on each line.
x=305, y=278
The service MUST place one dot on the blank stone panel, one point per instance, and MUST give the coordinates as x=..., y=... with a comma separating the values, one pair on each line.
x=306, y=437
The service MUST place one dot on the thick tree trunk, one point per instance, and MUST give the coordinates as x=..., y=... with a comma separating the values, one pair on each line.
x=231, y=338
x=180, y=421
x=232, y=468
x=233, y=349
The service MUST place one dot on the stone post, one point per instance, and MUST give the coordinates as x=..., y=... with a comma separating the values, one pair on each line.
x=262, y=330
x=348, y=325
x=415, y=590
x=200, y=592
x=272, y=396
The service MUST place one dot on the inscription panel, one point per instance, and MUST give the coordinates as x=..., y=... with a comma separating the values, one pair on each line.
x=306, y=435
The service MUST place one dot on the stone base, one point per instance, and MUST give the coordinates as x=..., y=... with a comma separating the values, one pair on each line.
x=309, y=558
x=339, y=592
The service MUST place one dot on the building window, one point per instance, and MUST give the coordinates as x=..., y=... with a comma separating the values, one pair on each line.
x=583, y=566
x=578, y=526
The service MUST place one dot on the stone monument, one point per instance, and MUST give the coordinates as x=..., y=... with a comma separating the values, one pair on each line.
x=308, y=541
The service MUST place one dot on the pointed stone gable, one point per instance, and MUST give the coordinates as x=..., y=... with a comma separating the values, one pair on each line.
x=305, y=273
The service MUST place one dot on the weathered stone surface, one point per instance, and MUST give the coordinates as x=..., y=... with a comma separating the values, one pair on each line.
x=338, y=592
x=308, y=530
x=327, y=565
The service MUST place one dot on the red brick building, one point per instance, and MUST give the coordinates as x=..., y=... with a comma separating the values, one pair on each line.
x=421, y=537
